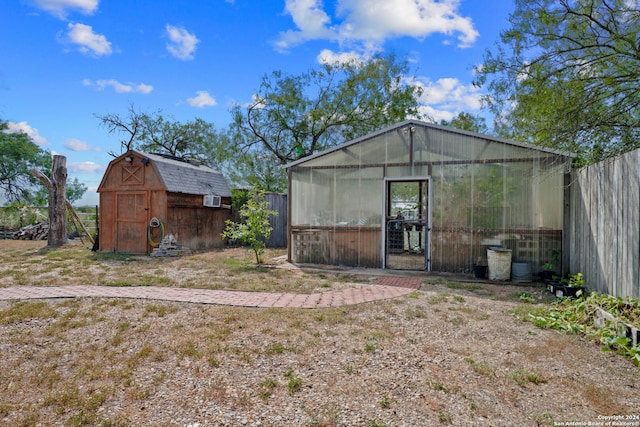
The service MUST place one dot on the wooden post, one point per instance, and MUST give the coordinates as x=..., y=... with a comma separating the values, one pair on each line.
x=57, y=187
x=77, y=219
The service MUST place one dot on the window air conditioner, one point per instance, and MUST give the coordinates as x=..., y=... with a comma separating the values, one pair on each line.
x=212, y=201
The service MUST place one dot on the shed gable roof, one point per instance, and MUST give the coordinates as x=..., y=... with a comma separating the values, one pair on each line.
x=180, y=176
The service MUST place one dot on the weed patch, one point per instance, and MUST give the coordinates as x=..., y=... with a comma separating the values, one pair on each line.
x=523, y=377
x=294, y=384
x=24, y=310
x=266, y=388
x=481, y=368
x=577, y=317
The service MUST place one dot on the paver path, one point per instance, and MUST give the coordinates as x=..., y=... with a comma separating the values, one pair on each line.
x=395, y=288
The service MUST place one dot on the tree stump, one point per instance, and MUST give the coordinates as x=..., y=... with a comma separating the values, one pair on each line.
x=57, y=200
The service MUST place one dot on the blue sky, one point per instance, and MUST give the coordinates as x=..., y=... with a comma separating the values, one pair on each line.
x=65, y=61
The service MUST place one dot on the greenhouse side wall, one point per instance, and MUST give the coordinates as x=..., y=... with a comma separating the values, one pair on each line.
x=517, y=206
x=336, y=217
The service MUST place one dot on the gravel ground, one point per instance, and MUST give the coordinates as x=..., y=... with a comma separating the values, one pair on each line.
x=439, y=356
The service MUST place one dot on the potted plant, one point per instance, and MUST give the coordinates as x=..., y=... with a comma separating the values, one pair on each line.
x=575, y=287
x=556, y=286
x=548, y=268
x=480, y=268
x=547, y=272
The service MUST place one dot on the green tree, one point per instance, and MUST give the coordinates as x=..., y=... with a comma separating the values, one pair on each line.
x=565, y=75
x=260, y=171
x=18, y=155
x=255, y=227
x=293, y=116
x=157, y=133
x=467, y=121
x=74, y=191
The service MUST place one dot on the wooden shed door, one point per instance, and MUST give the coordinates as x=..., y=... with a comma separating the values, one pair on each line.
x=131, y=222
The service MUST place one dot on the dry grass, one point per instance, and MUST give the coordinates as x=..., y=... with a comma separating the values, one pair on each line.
x=450, y=354
x=33, y=264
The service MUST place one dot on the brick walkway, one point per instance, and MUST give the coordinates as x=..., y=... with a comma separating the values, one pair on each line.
x=403, y=282
x=385, y=287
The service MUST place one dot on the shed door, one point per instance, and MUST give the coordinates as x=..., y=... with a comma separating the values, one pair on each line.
x=131, y=222
x=407, y=225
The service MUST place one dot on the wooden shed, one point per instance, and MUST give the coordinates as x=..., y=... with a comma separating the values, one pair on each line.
x=421, y=196
x=144, y=197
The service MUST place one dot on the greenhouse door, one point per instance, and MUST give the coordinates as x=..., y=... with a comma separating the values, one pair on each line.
x=406, y=237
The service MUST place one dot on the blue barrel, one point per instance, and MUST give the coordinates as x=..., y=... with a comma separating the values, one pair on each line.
x=521, y=272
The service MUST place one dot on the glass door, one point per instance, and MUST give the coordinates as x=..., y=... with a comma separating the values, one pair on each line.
x=407, y=225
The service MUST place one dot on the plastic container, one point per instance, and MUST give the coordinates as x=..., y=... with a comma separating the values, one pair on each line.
x=499, y=260
x=521, y=272
x=480, y=271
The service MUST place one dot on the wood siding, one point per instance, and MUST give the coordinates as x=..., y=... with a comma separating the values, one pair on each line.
x=604, y=217
x=195, y=226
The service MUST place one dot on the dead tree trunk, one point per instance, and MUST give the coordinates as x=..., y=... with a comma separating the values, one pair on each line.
x=66, y=203
x=57, y=187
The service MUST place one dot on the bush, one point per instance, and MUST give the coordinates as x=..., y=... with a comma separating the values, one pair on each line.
x=256, y=228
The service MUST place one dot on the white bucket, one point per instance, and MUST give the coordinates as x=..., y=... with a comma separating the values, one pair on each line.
x=499, y=260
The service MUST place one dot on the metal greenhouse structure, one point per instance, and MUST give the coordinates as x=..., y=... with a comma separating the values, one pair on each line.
x=426, y=197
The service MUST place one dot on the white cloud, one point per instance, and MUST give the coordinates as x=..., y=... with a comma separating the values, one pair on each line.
x=435, y=114
x=77, y=145
x=257, y=102
x=80, y=167
x=374, y=21
x=328, y=56
x=312, y=23
x=182, y=44
x=202, y=99
x=31, y=132
x=88, y=42
x=445, y=98
x=119, y=87
x=60, y=8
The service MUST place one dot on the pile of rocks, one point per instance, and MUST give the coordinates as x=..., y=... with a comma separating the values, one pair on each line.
x=169, y=247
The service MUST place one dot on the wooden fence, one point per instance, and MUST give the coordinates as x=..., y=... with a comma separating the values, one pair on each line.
x=604, y=225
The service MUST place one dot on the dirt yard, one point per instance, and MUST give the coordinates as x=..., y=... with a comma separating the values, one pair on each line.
x=451, y=353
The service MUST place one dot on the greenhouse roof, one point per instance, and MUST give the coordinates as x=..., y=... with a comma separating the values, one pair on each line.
x=444, y=152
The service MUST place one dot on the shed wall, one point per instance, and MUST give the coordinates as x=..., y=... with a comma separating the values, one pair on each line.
x=193, y=225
